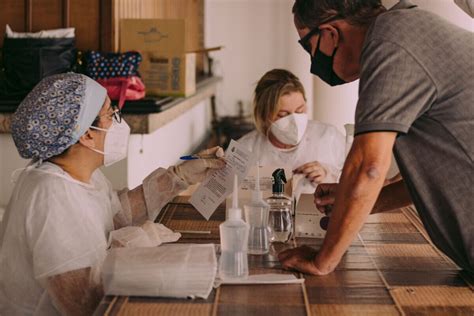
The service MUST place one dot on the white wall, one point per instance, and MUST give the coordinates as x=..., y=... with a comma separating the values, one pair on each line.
x=257, y=35
x=162, y=148
x=336, y=105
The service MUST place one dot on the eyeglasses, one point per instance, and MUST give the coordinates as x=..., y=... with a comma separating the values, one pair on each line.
x=304, y=41
x=115, y=115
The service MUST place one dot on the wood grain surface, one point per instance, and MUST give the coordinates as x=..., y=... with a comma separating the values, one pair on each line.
x=391, y=269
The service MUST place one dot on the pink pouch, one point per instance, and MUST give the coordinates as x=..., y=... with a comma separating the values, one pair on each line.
x=124, y=88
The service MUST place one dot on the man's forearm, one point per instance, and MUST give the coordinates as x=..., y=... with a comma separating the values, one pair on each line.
x=355, y=198
x=362, y=179
x=392, y=197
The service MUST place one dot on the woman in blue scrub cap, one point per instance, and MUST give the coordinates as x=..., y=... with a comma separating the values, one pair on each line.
x=54, y=233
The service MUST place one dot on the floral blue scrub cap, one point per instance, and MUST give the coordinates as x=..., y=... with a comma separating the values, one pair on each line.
x=55, y=114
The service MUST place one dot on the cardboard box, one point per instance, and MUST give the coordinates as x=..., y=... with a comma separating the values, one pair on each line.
x=169, y=74
x=166, y=68
x=309, y=221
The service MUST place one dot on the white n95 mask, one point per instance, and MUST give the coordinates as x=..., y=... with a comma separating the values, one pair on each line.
x=290, y=129
x=116, y=142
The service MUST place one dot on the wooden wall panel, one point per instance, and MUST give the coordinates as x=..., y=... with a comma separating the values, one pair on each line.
x=97, y=21
x=46, y=15
x=12, y=12
x=85, y=17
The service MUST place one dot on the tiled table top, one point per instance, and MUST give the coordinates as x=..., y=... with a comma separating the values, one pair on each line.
x=391, y=269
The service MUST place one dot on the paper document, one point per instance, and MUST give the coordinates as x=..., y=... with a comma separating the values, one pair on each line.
x=214, y=189
x=270, y=278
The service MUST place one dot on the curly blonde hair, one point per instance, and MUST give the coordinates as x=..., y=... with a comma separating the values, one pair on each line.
x=270, y=88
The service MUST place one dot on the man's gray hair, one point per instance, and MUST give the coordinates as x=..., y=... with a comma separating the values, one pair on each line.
x=311, y=13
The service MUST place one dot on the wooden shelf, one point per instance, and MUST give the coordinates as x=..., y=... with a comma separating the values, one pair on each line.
x=148, y=123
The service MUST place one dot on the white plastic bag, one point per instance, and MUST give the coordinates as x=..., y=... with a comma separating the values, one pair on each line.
x=148, y=235
x=174, y=270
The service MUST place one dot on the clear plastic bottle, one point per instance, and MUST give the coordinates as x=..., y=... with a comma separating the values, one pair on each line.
x=281, y=206
x=234, y=232
x=256, y=215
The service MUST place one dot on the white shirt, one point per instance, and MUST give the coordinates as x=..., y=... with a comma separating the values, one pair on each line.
x=321, y=142
x=52, y=225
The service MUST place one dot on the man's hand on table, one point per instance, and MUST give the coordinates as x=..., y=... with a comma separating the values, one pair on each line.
x=301, y=259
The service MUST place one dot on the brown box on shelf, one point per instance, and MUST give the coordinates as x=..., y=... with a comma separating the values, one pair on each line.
x=169, y=74
x=166, y=69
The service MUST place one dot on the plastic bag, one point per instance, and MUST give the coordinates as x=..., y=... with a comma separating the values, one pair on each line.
x=148, y=235
x=175, y=270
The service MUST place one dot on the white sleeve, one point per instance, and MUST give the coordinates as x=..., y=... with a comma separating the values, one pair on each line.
x=63, y=232
x=124, y=216
x=120, y=205
x=159, y=188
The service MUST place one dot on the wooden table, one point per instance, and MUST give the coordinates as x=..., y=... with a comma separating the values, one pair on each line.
x=391, y=269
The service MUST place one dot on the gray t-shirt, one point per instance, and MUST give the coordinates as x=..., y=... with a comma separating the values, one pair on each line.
x=417, y=79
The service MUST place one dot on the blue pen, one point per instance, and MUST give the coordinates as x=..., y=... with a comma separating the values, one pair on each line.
x=193, y=157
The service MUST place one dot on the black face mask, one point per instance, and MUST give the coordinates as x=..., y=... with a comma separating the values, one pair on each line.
x=321, y=66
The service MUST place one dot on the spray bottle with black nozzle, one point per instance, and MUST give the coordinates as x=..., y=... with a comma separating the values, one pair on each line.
x=281, y=206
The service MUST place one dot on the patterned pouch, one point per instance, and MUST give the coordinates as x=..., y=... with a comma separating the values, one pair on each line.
x=118, y=73
x=112, y=65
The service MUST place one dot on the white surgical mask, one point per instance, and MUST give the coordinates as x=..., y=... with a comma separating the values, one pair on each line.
x=290, y=129
x=116, y=142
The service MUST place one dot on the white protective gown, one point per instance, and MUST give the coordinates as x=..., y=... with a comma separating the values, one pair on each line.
x=321, y=142
x=54, y=224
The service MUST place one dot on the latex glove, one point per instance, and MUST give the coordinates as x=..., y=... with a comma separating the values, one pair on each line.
x=324, y=197
x=194, y=171
x=301, y=259
x=314, y=171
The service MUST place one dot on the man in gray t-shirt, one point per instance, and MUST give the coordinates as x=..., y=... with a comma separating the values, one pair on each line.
x=416, y=96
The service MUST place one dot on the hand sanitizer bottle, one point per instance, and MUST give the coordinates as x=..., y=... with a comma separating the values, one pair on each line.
x=256, y=215
x=234, y=232
x=281, y=208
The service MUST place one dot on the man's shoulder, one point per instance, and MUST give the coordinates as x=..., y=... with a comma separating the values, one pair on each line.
x=394, y=25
